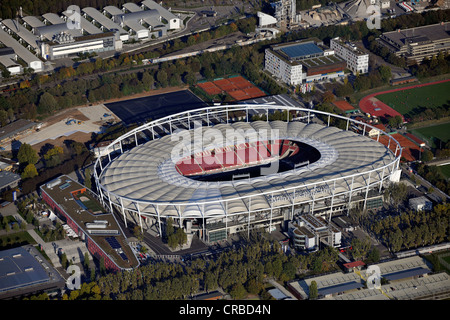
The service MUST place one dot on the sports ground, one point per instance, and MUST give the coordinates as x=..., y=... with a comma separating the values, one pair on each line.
x=403, y=101
x=237, y=87
x=144, y=109
x=441, y=132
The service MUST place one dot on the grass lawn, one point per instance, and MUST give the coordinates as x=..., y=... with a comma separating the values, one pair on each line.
x=412, y=101
x=445, y=170
x=14, y=239
x=441, y=131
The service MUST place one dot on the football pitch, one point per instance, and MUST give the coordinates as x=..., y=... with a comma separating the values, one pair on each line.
x=441, y=132
x=415, y=100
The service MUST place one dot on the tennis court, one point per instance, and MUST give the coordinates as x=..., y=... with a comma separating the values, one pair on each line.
x=238, y=88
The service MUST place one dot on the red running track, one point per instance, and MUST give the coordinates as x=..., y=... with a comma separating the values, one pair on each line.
x=370, y=104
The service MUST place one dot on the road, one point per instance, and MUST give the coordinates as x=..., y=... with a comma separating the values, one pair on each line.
x=438, y=194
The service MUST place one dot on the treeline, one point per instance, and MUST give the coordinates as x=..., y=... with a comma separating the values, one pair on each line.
x=410, y=229
x=78, y=156
x=238, y=272
x=434, y=176
x=92, y=82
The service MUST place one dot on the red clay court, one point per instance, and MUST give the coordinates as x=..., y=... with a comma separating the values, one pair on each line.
x=410, y=152
x=343, y=105
x=237, y=87
x=370, y=104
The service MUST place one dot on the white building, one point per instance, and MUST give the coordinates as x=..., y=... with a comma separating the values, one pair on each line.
x=290, y=73
x=303, y=61
x=357, y=61
x=266, y=20
x=420, y=204
x=310, y=230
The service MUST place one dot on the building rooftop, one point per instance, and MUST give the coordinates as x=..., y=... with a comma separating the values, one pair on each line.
x=82, y=206
x=24, y=271
x=432, y=32
x=14, y=128
x=300, y=50
x=406, y=274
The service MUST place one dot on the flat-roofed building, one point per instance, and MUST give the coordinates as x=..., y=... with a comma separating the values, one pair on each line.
x=23, y=271
x=303, y=61
x=93, y=224
x=415, y=44
x=357, y=60
x=308, y=231
x=64, y=45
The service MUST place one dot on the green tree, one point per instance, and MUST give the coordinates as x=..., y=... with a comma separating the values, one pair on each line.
x=313, y=291
x=27, y=155
x=30, y=171
x=87, y=178
x=47, y=103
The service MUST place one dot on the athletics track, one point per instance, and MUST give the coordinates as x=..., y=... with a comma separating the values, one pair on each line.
x=370, y=104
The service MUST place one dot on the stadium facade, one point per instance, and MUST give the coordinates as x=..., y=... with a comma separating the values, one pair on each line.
x=190, y=167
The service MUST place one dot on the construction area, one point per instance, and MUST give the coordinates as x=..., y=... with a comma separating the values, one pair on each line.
x=76, y=124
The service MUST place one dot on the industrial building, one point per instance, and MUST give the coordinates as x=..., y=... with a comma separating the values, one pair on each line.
x=404, y=279
x=303, y=61
x=65, y=45
x=357, y=60
x=415, y=44
x=308, y=231
x=285, y=13
x=24, y=271
x=8, y=60
x=35, y=39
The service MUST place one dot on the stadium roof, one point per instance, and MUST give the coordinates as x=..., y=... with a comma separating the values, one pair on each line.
x=343, y=153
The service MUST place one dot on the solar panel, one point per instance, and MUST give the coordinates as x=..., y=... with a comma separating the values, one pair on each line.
x=113, y=242
x=301, y=50
x=123, y=256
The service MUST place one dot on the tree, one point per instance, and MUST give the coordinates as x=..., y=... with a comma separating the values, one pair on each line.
x=87, y=178
x=30, y=171
x=427, y=155
x=161, y=77
x=27, y=155
x=313, y=291
x=47, y=103
x=385, y=73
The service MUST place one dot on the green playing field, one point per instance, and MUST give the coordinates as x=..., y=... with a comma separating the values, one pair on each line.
x=412, y=101
x=441, y=131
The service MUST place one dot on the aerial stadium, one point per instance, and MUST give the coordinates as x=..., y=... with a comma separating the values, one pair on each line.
x=216, y=173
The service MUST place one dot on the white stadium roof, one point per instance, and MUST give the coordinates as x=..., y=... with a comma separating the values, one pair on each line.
x=146, y=174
